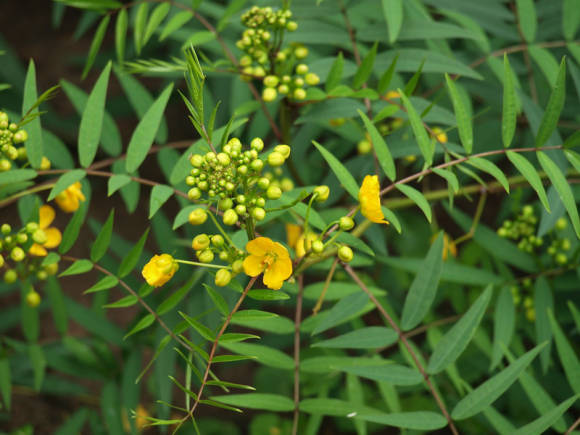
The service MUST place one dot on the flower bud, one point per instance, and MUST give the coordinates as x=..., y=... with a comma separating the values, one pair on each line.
x=223, y=256
x=299, y=94
x=312, y=79
x=2, y=261
x=10, y=276
x=17, y=254
x=230, y=217
x=257, y=144
x=291, y=26
x=200, y=242
x=317, y=246
x=32, y=299
x=263, y=183
x=274, y=192
x=286, y=184
x=345, y=254
x=276, y=158
x=41, y=275
x=269, y=94
x=225, y=204
x=271, y=81
x=240, y=209
x=561, y=223
x=217, y=240
x=197, y=216
x=196, y=160
x=242, y=169
x=283, y=89
x=223, y=277
x=283, y=149
x=364, y=147
x=21, y=238
x=241, y=199
x=205, y=256
x=45, y=164
x=194, y=193
x=561, y=258
x=51, y=269
x=31, y=227
x=321, y=193
x=302, y=69
x=258, y=213
x=39, y=236
x=257, y=165
x=5, y=165
x=260, y=202
x=238, y=266
x=346, y=223
x=20, y=136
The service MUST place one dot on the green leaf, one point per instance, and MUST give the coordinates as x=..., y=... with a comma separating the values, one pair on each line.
x=272, y=325
x=489, y=167
x=562, y=187
x=121, y=35
x=96, y=44
x=172, y=301
x=102, y=241
x=344, y=177
x=546, y=61
x=568, y=357
x=527, y=19
x=531, y=175
x=417, y=197
x=71, y=232
x=392, y=218
x=268, y=295
x=414, y=420
x=484, y=395
x=464, y=123
x=509, y=108
x=159, y=196
x=543, y=303
x=145, y=132
x=34, y=144
x=575, y=314
x=175, y=23
x=371, y=337
x=104, y=283
x=344, y=308
x=142, y=324
x=365, y=69
x=394, y=373
x=131, y=259
x=203, y=330
x=38, y=362
x=263, y=354
x=183, y=215
x=541, y=424
x=5, y=381
x=386, y=78
x=57, y=304
x=454, y=342
x=267, y=402
x=65, y=181
x=335, y=73
x=451, y=178
x=140, y=23
x=16, y=176
x=91, y=124
x=116, y=182
x=382, y=150
x=78, y=267
x=570, y=18
x=411, y=85
x=554, y=107
x=94, y=322
x=425, y=145
x=424, y=287
x=504, y=321
x=155, y=20
x=393, y=13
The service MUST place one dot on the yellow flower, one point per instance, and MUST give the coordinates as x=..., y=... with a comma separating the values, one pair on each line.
x=51, y=235
x=449, y=246
x=370, y=201
x=304, y=244
x=159, y=270
x=269, y=257
x=440, y=135
x=391, y=95
x=69, y=199
x=293, y=233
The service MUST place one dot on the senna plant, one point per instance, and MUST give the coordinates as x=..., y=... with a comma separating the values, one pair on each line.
x=371, y=224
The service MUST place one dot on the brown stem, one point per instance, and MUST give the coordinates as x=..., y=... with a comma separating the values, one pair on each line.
x=574, y=426
x=297, y=321
x=214, y=348
x=404, y=341
x=318, y=305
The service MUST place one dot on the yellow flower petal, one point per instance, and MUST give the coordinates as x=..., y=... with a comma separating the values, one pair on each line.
x=53, y=237
x=293, y=233
x=277, y=273
x=370, y=200
x=259, y=246
x=159, y=270
x=269, y=257
x=69, y=199
x=253, y=265
x=46, y=215
x=37, y=250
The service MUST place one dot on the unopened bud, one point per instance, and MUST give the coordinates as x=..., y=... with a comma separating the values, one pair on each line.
x=345, y=253
x=230, y=217
x=321, y=193
x=223, y=277
x=197, y=216
x=346, y=223
x=201, y=241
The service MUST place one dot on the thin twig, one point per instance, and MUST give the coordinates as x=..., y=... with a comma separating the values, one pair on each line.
x=574, y=426
x=297, y=322
x=318, y=305
x=405, y=343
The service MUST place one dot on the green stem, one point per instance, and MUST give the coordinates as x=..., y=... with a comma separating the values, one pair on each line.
x=195, y=263
x=220, y=229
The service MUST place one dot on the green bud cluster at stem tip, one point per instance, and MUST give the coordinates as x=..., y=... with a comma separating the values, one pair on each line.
x=12, y=149
x=15, y=260
x=234, y=180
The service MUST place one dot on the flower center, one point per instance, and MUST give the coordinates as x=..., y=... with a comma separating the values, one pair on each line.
x=268, y=260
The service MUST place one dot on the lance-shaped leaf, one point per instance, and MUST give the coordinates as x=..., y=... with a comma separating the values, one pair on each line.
x=365, y=69
x=424, y=287
x=96, y=44
x=570, y=18
x=454, y=342
x=531, y=175
x=425, y=145
x=554, y=107
x=541, y=424
x=393, y=12
x=417, y=197
x=568, y=357
x=464, y=123
x=342, y=174
x=101, y=244
x=489, y=167
x=380, y=146
x=34, y=144
x=509, y=108
x=504, y=320
x=121, y=34
x=527, y=19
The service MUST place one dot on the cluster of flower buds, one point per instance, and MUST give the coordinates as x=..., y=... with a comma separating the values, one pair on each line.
x=12, y=149
x=528, y=303
x=233, y=180
x=522, y=230
x=560, y=246
x=282, y=71
x=207, y=247
x=16, y=260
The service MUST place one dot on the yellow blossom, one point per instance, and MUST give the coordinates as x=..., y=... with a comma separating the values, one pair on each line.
x=440, y=135
x=159, y=270
x=269, y=257
x=293, y=233
x=392, y=95
x=69, y=199
x=370, y=200
x=304, y=244
x=53, y=235
x=449, y=246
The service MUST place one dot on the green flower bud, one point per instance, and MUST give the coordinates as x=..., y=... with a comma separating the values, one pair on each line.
x=259, y=71
x=283, y=149
x=291, y=26
x=196, y=160
x=298, y=82
x=17, y=254
x=263, y=183
x=31, y=227
x=33, y=299
x=321, y=193
x=276, y=158
x=502, y=232
x=223, y=159
x=260, y=202
x=217, y=240
x=345, y=254
x=10, y=276
x=51, y=269
x=205, y=256
x=312, y=79
x=20, y=136
x=238, y=266
x=299, y=94
x=223, y=256
x=317, y=246
x=257, y=165
x=566, y=244
x=271, y=81
x=2, y=262
x=230, y=217
x=223, y=277
x=21, y=238
x=203, y=185
x=346, y=223
x=189, y=180
x=197, y=216
x=561, y=223
x=194, y=193
x=301, y=52
x=245, y=60
x=528, y=210
x=5, y=165
x=302, y=69
x=240, y=209
x=283, y=89
x=22, y=155
x=561, y=258
x=225, y=204
x=39, y=236
x=257, y=143
x=41, y=275
x=269, y=94
x=200, y=242
x=274, y=192
x=258, y=213
x=13, y=127
x=286, y=184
